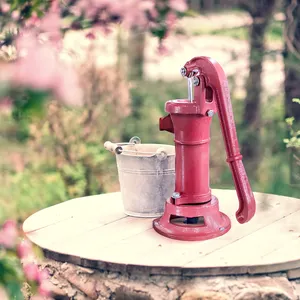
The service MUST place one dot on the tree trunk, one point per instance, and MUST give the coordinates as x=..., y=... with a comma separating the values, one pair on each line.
x=292, y=58
x=208, y=5
x=88, y=181
x=252, y=114
x=261, y=13
x=195, y=5
x=136, y=49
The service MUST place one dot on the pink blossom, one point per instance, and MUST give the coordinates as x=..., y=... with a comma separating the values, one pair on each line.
x=40, y=69
x=51, y=24
x=3, y=294
x=43, y=275
x=171, y=19
x=160, y=4
x=67, y=87
x=10, y=224
x=178, y=5
x=5, y=7
x=15, y=14
x=89, y=7
x=110, y=5
x=147, y=5
x=37, y=297
x=24, y=249
x=6, y=103
x=102, y=3
x=9, y=234
x=132, y=12
x=31, y=271
x=6, y=72
x=44, y=288
x=104, y=29
x=153, y=13
x=34, y=20
x=26, y=40
x=75, y=10
x=133, y=15
x=163, y=50
x=37, y=69
x=54, y=6
x=90, y=35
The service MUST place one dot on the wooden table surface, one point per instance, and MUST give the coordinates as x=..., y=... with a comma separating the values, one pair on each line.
x=94, y=232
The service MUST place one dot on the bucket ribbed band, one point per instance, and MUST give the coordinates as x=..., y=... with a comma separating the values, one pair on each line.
x=148, y=172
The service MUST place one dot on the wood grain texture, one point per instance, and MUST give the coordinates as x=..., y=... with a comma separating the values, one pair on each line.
x=94, y=232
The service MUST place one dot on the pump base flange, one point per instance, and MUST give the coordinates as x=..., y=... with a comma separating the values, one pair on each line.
x=213, y=222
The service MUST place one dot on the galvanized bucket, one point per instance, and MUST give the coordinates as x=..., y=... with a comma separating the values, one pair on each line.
x=146, y=176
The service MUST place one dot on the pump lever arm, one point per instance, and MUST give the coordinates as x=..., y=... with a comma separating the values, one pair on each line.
x=215, y=78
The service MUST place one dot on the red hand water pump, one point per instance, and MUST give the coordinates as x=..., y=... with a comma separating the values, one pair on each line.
x=192, y=213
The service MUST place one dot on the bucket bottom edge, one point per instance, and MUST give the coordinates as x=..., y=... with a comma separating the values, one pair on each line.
x=142, y=215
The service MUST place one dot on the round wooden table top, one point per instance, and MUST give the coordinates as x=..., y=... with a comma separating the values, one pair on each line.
x=94, y=232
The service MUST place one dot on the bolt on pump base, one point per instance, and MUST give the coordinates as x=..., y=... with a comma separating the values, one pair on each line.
x=192, y=213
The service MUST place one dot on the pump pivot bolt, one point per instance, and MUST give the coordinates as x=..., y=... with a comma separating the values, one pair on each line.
x=196, y=81
x=175, y=195
x=183, y=72
x=210, y=113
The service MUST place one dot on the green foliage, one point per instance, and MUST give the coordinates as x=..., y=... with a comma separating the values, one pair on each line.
x=19, y=275
x=160, y=29
x=273, y=175
x=27, y=8
x=28, y=105
x=293, y=145
x=11, y=276
x=148, y=101
x=28, y=192
x=74, y=176
x=294, y=140
x=41, y=184
x=275, y=31
x=296, y=100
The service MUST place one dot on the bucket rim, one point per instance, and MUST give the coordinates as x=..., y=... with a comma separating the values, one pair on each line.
x=148, y=153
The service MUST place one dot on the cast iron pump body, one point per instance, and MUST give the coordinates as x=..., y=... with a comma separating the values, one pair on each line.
x=192, y=213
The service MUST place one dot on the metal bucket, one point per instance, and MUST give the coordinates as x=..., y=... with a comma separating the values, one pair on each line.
x=146, y=176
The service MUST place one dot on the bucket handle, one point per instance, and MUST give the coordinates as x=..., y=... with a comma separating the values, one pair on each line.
x=118, y=149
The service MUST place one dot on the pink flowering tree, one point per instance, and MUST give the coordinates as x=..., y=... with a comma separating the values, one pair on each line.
x=32, y=34
x=36, y=29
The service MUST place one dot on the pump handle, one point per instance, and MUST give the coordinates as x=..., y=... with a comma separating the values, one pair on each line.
x=213, y=78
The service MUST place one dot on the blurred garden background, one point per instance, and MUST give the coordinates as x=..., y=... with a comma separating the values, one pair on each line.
x=75, y=73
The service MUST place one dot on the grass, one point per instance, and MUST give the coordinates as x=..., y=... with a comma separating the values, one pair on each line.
x=274, y=32
x=240, y=33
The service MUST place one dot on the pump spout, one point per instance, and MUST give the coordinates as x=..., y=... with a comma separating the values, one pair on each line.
x=166, y=124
